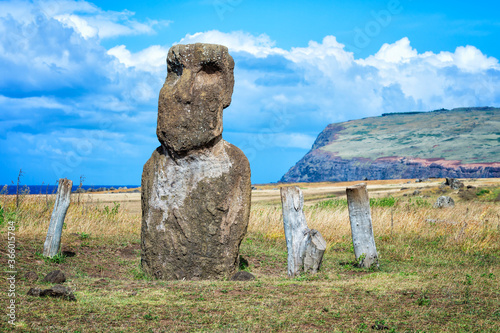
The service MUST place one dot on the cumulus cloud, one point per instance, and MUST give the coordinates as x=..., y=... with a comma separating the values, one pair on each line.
x=238, y=41
x=68, y=102
x=284, y=98
x=151, y=59
x=397, y=72
x=84, y=17
x=62, y=92
x=91, y=21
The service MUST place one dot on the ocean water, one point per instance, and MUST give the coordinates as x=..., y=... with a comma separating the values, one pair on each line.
x=52, y=189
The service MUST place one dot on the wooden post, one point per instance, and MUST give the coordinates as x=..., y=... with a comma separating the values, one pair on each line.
x=305, y=246
x=53, y=240
x=361, y=225
x=315, y=247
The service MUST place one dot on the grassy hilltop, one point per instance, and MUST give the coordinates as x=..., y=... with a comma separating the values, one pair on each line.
x=460, y=138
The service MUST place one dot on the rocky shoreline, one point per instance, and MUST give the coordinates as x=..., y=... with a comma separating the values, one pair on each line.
x=319, y=165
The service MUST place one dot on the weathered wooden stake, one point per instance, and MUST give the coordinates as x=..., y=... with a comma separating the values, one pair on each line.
x=53, y=240
x=315, y=247
x=305, y=246
x=361, y=225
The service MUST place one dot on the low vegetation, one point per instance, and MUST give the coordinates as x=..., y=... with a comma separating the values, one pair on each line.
x=448, y=134
x=439, y=271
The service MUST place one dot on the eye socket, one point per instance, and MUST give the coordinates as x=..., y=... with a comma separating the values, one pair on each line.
x=175, y=67
x=210, y=67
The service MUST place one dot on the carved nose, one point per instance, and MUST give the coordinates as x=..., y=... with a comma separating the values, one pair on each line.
x=184, y=86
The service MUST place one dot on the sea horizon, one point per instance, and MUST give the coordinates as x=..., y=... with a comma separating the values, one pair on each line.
x=52, y=189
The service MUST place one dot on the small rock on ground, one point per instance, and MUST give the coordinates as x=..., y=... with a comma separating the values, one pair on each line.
x=34, y=292
x=55, y=277
x=444, y=202
x=59, y=291
x=242, y=276
x=31, y=276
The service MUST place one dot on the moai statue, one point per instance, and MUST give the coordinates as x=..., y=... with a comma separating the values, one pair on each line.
x=196, y=186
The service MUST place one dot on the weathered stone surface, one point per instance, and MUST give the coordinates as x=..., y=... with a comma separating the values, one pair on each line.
x=31, y=276
x=196, y=186
x=198, y=87
x=59, y=291
x=195, y=212
x=35, y=292
x=444, y=202
x=295, y=226
x=453, y=183
x=55, y=277
x=242, y=276
x=55, y=291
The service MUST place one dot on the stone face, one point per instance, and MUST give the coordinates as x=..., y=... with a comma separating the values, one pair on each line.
x=198, y=87
x=196, y=186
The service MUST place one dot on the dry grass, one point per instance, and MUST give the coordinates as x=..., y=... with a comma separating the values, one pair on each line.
x=469, y=226
x=439, y=271
x=87, y=216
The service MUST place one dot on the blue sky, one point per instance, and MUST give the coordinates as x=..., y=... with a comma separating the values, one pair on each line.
x=80, y=80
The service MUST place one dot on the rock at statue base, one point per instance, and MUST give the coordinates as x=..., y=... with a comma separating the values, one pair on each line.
x=196, y=186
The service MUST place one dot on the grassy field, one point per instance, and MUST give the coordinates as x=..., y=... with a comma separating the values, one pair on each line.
x=439, y=268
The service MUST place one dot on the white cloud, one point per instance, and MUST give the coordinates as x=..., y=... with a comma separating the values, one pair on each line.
x=470, y=59
x=151, y=59
x=84, y=17
x=59, y=82
x=398, y=52
x=43, y=102
x=326, y=55
x=78, y=24
x=238, y=41
x=323, y=83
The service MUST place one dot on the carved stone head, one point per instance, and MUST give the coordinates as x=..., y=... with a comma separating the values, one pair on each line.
x=198, y=87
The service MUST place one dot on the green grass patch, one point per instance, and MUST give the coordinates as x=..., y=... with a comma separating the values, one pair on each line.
x=342, y=203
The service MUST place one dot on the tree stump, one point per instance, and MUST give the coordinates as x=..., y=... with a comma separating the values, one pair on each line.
x=305, y=246
x=361, y=225
x=53, y=240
